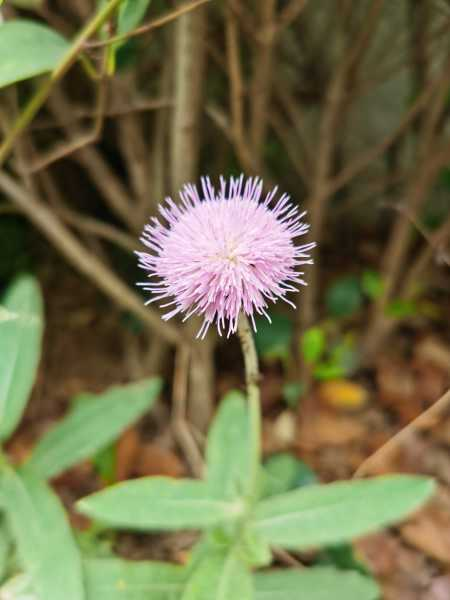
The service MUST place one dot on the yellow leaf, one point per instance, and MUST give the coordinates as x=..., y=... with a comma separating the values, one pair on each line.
x=343, y=394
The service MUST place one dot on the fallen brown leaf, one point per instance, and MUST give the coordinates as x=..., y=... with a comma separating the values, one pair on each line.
x=342, y=394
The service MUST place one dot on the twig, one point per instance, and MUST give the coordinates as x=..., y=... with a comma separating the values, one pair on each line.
x=190, y=62
x=235, y=78
x=431, y=156
x=287, y=558
x=362, y=161
x=186, y=133
x=335, y=109
x=261, y=84
x=99, y=229
x=159, y=22
x=427, y=419
x=133, y=146
x=289, y=13
x=180, y=425
x=160, y=143
x=434, y=248
x=141, y=105
x=47, y=222
x=103, y=176
x=67, y=60
x=89, y=137
x=291, y=145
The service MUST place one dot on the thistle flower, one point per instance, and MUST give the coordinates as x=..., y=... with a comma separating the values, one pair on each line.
x=224, y=253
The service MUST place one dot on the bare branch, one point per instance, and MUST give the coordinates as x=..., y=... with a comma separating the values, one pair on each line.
x=46, y=221
x=159, y=22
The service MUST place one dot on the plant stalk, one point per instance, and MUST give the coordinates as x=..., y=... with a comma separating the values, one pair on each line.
x=252, y=378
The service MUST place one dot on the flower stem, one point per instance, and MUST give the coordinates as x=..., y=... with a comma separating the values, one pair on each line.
x=254, y=407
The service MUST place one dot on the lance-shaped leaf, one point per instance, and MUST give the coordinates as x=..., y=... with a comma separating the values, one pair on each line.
x=228, y=449
x=220, y=576
x=159, y=503
x=21, y=324
x=43, y=536
x=28, y=49
x=131, y=13
x=94, y=422
x=116, y=579
x=337, y=512
x=321, y=583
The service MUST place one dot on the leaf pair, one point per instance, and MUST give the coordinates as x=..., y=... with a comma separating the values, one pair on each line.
x=299, y=519
x=162, y=503
x=238, y=531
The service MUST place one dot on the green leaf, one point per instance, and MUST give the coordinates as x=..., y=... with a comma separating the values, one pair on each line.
x=116, y=579
x=372, y=284
x=105, y=463
x=94, y=422
x=228, y=450
x=220, y=576
x=401, y=309
x=95, y=542
x=343, y=557
x=337, y=512
x=159, y=503
x=28, y=4
x=313, y=344
x=273, y=340
x=314, y=584
x=293, y=392
x=283, y=473
x=254, y=550
x=42, y=533
x=21, y=324
x=344, y=297
x=5, y=548
x=328, y=370
x=28, y=49
x=131, y=13
x=18, y=587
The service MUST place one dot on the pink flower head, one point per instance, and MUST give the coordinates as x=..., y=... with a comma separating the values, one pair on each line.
x=224, y=253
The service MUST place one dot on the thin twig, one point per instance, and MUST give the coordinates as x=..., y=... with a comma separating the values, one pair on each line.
x=180, y=425
x=261, y=83
x=103, y=176
x=436, y=247
x=81, y=113
x=424, y=421
x=47, y=222
x=86, y=139
x=159, y=22
x=67, y=60
x=289, y=13
x=235, y=77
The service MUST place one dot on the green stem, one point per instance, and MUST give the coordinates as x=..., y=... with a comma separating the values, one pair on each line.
x=66, y=61
x=254, y=406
